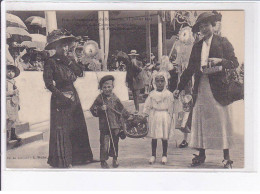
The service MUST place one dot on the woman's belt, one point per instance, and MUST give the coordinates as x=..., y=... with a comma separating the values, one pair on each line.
x=63, y=84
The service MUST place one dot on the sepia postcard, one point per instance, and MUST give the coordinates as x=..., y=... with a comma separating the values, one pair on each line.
x=124, y=89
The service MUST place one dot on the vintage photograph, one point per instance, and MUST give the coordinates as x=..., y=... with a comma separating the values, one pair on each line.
x=121, y=89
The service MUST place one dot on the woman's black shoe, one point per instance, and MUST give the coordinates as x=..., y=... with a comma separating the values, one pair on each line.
x=104, y=164
x=115, y=163
x=183, y=144
x=198, y=160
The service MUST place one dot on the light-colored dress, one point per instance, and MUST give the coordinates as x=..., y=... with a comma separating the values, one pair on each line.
x=159, y=107
x=211, y=122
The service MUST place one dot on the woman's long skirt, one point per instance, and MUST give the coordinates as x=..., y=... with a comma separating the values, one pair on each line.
x=211, y=122
x=69, y=141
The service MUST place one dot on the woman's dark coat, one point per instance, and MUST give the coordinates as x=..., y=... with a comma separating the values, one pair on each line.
x=220, y=48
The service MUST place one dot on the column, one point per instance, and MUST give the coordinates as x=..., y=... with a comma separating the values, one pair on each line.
x=164, y=37
x=106, y=37
x=159, y=38
x=148, y=36
x=101, y=33
x=51, y=21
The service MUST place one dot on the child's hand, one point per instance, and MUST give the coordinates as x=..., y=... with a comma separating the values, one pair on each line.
x=104, y=107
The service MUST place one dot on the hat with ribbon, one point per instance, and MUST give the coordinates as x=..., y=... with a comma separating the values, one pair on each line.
x=204, y=17
x=14, y=68
x=58, y=36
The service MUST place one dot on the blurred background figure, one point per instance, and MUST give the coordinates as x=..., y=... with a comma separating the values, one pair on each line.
x=134, y=77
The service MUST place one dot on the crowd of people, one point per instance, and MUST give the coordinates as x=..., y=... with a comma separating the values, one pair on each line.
x=204, y=103
x=25, y=58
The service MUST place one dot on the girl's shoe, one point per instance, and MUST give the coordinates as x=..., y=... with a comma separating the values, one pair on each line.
x=198, y=160
x=183, y=144
x=164, y=160
x=227, y=163
x=152, y=160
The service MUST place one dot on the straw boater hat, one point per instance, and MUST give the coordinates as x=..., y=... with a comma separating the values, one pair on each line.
x=58, y=36
x=204, y=17
x=15, y=69
x=133, y=52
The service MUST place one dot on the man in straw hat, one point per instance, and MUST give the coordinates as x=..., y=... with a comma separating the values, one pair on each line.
x=69, y=142
x=211, y=126
x=134, y=77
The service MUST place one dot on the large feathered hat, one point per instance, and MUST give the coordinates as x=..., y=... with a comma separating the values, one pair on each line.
x=58, y=36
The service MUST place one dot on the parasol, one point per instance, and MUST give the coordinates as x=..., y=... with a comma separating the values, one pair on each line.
x=90, y=48
x=34, y=44
x=18, y=34
x=36, y=20
x=14, y=21
x=38, y=38
x=38, y=41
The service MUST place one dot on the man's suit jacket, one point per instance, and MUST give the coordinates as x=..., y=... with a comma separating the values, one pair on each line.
x=220, y=48
x=134, y=76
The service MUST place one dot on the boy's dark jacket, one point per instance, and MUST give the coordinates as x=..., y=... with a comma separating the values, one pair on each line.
x=220, y=48
x=113, y=117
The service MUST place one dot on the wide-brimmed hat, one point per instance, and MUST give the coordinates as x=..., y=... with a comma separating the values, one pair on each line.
x=58, y=36
x=204, y=17
x=15, y=69
x=133, y=52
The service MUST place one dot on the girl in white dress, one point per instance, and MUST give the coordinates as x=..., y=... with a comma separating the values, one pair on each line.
x=159, y=108
x=12, y=102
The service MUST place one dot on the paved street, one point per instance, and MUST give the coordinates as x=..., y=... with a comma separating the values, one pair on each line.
x=133, y=153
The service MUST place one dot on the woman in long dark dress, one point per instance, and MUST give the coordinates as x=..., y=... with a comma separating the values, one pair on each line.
x=69, y=141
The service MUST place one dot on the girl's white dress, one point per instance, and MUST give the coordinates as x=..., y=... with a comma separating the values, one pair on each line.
x=159, y=107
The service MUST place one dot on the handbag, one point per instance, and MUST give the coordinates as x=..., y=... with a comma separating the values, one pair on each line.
x=235, y=90
x=212, y=70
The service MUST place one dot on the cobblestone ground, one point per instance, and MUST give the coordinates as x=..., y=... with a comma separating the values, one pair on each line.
x=133, y=153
